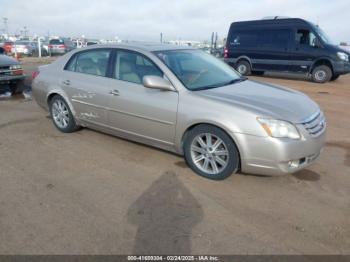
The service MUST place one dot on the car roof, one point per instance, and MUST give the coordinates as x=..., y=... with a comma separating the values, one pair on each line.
x=150, y=47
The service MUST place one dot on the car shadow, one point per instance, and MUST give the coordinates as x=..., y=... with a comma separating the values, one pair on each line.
x=165, y=215
x=307, y=175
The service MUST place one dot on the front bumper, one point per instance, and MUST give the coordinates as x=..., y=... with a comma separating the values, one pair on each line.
x=273, y=156
x=341, y=68
x=9, y=78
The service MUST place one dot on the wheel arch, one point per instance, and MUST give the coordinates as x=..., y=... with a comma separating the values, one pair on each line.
x=322, y=61
x=58, y=92
x=245, y=58
x=214, y=124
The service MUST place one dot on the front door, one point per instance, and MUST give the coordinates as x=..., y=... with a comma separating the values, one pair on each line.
x=144, y=113
x=305, y=50
x=84, y=80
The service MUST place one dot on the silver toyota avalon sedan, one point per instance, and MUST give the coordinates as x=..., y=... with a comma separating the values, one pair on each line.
x=185, y=101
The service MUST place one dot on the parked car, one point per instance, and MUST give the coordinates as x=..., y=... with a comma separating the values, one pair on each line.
x=60, y=46
x=218, y=52
x=24, y=47
x=11, y=73
x=186, y=101
x=285, y=45
x=7, y=46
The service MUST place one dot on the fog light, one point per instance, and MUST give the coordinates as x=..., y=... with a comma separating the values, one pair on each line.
x=293, y=163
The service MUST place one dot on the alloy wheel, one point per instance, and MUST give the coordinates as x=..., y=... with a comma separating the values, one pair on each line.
x=209, y=153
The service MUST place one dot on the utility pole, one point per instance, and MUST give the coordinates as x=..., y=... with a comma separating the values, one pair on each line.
x=161, y=38
x=25, y=31
x=6, y=30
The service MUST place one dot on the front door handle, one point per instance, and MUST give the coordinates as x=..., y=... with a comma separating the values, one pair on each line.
x=114, y=92
x=66, y=82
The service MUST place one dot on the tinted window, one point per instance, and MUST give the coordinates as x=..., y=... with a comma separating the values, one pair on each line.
x=92, y=62
x=56, y=42
x=247, y=38
x=275, y=39
x=271, y=39
x=132, y=67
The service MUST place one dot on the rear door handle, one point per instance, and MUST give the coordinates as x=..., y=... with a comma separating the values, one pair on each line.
x=114, y=92
x=66, y=82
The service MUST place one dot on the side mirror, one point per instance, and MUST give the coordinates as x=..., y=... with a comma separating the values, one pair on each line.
x=157, y=82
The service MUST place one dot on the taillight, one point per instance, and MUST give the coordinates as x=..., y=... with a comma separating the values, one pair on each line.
x=61, y=46
x=50, y=46
x=225, y=52
x=35, y=74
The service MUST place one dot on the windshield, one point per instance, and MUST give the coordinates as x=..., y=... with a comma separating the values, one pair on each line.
x=323, y=35
x=198, y=70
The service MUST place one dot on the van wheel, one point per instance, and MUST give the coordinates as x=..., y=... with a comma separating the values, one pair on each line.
x=334, y=77
x=243, y=67
x=211, y=153
x=321, y=74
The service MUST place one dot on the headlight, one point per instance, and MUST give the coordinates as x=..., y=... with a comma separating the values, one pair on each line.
x=343, y=56
x=15, y=67
x=279, y=128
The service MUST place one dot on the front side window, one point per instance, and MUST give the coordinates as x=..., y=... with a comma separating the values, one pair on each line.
x=93, y=62
x=198, y=70
x=132, y=67
x=306, y=37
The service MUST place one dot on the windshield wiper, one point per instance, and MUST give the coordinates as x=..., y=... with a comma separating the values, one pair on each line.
x=233, y=81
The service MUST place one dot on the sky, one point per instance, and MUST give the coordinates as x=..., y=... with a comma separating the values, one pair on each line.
x=176, y=19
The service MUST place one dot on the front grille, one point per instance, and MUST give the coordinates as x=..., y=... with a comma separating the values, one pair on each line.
x=5, y=70
x=315, y=125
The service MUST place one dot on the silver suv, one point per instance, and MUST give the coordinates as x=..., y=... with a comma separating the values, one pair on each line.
x=185, y=101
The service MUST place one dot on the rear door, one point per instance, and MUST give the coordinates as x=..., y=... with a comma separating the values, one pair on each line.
x=85, y=81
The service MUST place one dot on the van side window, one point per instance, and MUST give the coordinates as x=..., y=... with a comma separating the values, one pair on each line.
x=305, y=37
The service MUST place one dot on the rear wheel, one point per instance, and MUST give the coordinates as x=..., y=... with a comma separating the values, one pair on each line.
x=62, y=116
x=321, y=74
x=243, y=67
x=334, y=77
x=211, y=153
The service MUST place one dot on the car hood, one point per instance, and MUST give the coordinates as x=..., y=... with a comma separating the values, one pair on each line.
x=265, y=100
x=6, y=60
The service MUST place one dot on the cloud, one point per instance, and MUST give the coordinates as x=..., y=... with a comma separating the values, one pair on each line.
x=144, y=20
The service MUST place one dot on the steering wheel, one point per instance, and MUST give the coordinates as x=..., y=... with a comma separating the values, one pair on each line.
x=196, y=77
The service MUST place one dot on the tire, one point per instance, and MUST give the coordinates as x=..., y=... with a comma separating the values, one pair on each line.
x=61, y=115
x=258, y=73
x=16, y=87
x=243, y=67
x=321, y=74
x=195, y=146
x=334, y=77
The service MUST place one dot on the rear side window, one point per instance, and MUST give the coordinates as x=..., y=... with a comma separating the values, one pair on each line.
x=266, y=39
x=247, y=38
x=94, y=62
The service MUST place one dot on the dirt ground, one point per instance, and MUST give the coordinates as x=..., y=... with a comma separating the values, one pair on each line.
x=91, y=193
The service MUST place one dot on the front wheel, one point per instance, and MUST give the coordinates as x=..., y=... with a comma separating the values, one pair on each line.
x=321, y=74
x=62, y=116
x=211, y=153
